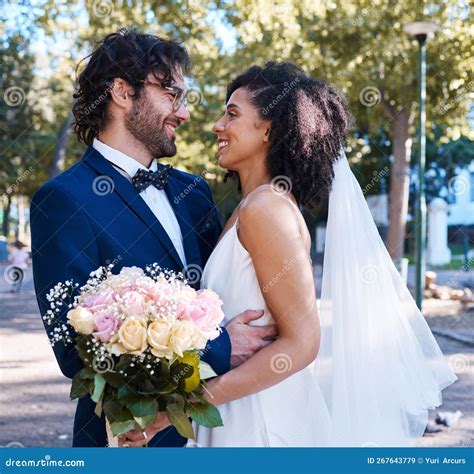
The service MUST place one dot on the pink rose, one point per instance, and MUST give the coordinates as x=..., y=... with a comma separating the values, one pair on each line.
x=98, y=301
x=106, y=324
x=133, y=304
x=205, y=311
x=161, y=293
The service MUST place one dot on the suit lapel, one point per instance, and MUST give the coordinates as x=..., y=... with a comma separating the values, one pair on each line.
x=173, y=189
x=130, y=196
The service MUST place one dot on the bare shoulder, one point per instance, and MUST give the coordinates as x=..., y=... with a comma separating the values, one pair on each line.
x=266, y=214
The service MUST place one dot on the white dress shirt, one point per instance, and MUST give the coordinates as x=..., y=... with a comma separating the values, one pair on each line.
x=156, y=199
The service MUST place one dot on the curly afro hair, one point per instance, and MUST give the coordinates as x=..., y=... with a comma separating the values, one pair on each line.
x=130, y=55
x=309, y=122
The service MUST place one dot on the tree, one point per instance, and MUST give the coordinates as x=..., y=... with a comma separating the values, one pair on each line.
x=361, y=48
x=15, y=111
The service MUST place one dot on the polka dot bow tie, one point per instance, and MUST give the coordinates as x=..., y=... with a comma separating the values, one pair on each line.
x=144, y=178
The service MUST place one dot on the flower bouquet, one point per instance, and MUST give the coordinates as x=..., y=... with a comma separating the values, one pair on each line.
x=140, y=335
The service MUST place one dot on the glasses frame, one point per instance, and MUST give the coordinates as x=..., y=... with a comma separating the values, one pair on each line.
x=179, y=95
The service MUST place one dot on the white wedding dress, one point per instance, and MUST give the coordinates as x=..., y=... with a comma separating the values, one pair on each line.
x=379, y=369
x=291, y=413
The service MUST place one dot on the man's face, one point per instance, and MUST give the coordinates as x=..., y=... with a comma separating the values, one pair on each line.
x=152, y=120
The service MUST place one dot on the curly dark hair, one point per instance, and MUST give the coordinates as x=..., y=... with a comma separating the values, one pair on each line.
x=127, y=54
x=309, y=125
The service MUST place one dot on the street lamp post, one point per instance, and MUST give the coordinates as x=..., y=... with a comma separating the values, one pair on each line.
x=420, y=30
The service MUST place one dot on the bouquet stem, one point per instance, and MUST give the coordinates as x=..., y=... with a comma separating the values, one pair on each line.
x=112, y=441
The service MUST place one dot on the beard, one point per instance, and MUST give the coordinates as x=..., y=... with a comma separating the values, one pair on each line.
x=147, y=126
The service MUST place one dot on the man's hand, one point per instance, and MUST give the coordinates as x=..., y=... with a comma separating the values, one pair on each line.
x=137, y=438
x=246, y=340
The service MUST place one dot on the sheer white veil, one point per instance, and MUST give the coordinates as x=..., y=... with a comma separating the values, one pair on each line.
x=379, y=367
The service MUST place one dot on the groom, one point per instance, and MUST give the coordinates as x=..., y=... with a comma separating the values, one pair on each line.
x=119, y=205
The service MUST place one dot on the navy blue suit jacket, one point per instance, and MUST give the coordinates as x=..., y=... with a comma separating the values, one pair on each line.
x=90, y=215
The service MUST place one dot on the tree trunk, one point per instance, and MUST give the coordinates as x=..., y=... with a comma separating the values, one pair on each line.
x=399, y=183
x=6, y=214
x=58, y=159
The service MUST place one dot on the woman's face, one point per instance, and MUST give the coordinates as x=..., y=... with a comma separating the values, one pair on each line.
x=242, y=137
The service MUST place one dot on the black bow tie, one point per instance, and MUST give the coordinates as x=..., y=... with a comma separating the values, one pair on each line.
x=144, y=178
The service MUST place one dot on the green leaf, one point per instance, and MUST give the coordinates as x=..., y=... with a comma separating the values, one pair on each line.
x=144, y=410
x=122, y=427
x=87, y=373
x=114, y=379
x=179, y=420
x=99, y=385
x=79, y=387
x=125, y=392
x=157, y=386
x=98, y=407
x=206, y=371
x=164, y=367
x=123, y=363
x=113, y=409
x=205, y=414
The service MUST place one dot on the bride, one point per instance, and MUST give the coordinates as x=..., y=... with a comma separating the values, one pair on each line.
x=366, y=370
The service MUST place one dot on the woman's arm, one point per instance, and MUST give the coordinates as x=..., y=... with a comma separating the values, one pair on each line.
x=270, y=232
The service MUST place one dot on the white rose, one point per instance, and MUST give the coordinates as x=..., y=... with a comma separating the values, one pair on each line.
x=131, y=338
x=82, y=320
x=199, y=339
x=182, y=337
x=158, y=338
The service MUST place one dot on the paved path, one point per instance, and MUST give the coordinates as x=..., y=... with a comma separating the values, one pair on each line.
x=35, y=409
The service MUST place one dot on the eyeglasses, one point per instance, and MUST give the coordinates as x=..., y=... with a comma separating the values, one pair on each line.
x=178, y=95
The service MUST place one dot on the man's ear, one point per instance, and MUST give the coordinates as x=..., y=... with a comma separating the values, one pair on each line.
x=121, y=93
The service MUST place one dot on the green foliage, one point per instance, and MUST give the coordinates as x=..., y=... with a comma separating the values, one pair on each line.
x=359, y=46
x=130, y=394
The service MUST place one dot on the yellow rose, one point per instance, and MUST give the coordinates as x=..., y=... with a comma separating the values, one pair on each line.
x=82, y=320
x=158, y=338
x=192, y=382
x=182, y=336
x=131, y=337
